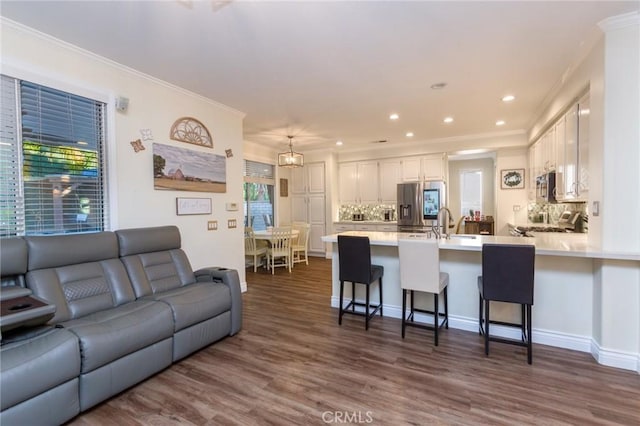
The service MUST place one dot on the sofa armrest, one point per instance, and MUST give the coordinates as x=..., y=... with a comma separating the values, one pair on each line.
x=230, y=278
x=13, y=292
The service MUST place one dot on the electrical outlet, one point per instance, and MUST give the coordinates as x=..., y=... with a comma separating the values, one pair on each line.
x=596, y=208
x=212, y=225
x=516, y=207
x=231, y=223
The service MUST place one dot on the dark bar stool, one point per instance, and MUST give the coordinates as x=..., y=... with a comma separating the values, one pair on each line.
x=355, y=267
x=507, y=276
x=420, y=271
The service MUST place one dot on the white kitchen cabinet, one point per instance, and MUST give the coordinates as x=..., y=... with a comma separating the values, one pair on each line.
x=358, y=182
x=368, y=183
x=342, y=227
x=308, y=202
x=390, y=177
x=387, y=228
x=364, y=227
x=348, y=183
x=433, y=167
x=429, y=167
x=584, y=111
x=566, y=175
x=411, y=169
x=572, y=177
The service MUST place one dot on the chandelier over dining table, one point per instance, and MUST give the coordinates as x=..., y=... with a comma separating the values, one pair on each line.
x=290, y=158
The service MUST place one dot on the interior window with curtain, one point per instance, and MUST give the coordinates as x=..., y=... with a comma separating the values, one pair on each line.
x=259, y=184
x=52, y=157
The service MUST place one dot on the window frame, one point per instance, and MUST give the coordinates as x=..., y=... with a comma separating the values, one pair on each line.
x=18, y=72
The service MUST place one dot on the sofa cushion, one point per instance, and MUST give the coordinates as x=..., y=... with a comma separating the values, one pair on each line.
x=148, y=240
x=36, y=364
x=111, y=334
x=53, y=251
x=196, y=303
x=13, y=261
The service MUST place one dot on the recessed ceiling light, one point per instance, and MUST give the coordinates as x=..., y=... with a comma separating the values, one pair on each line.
x=508, y=98
x=394, y=116
x=448, y=120
x=409, y=134
x=438, y=86
x=500, y=123
x=339, y=143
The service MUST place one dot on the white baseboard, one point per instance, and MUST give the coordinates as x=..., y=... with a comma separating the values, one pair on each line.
x=613, y=358
x=624, y=360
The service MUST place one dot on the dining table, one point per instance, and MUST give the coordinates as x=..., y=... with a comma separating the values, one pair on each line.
x=266, y=235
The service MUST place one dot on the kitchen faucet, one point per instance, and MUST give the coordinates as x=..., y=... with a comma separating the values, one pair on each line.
x=445, y=226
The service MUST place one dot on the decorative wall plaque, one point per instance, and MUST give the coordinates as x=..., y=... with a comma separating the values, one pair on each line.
x=190, y=130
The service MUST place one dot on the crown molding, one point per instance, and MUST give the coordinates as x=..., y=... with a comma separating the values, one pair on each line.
x=113, y=64
x=620, y=21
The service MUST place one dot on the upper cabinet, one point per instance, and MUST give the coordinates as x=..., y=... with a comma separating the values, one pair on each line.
x=390, y=171
x=564, y=148
x=308, y=179
x=369, y=182
x=358, y=182
x=429, y=167
x=573, y=173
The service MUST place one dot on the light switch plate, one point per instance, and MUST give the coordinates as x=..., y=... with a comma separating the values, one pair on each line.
x=231, y=207
x=231, y=223
x=212, y=225
x=596, y=208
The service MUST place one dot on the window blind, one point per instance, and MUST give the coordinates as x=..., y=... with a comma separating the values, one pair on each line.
x=52, y=176
x=257, y=172
x=11, y=200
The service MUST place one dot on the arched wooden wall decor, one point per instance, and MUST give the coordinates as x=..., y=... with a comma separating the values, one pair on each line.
x=190, y=130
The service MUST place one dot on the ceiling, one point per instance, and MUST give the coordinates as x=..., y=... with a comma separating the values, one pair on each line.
x=328, y=71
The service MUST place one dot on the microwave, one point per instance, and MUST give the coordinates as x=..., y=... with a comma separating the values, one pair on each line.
x=546, y=188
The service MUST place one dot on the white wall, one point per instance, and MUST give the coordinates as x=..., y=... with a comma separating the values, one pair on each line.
x=153, y=105
x=506, y=199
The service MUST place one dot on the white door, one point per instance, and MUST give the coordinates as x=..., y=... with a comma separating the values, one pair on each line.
x=411, y=170
x=299, y=208
x=433, y=167
x=315, y=178
x=315, y=207
x=298, y=181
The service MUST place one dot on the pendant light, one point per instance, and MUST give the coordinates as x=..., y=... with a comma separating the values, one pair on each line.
x=290, y=159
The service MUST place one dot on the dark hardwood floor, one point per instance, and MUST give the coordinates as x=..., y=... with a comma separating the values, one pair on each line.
x=293, y=364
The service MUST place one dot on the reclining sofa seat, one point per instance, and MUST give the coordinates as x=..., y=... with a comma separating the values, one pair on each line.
x=122, y=340
x=206, y=305
x=31, y=392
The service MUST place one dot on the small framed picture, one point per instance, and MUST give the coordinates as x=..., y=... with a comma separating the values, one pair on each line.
x=284, y=188
x=512, y=179
x=186, y=206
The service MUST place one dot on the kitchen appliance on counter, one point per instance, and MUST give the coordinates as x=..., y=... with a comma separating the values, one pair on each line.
x=357, y=217
x=388, y=215
x=569, y=221
x=546, y=188
x=419, y=204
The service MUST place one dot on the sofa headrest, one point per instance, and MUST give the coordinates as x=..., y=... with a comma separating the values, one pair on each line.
x=148, y=240
x=13, y=256
x=60, y=250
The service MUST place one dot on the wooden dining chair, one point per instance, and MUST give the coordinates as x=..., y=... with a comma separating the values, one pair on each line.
x=251, y=248
x=279, y=249
x=300, y=244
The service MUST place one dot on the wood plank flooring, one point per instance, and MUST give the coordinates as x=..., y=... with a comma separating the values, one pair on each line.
x=293, y=364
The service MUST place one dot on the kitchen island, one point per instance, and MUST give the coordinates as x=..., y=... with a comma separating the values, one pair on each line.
x=578, y=301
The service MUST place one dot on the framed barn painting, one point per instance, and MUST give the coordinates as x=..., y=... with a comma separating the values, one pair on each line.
x=183, y=169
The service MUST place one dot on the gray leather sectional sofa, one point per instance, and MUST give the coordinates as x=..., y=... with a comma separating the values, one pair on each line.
x=127, y=305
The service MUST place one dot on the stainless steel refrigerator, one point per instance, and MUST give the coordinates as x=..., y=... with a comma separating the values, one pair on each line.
x=419, y=204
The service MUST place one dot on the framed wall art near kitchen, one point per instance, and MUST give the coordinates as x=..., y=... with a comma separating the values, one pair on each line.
x=284, y=188
x=512, y=179
x=186, y=206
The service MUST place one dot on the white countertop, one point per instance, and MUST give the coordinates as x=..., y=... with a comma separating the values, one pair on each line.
x=550, y=244
x=366, y=222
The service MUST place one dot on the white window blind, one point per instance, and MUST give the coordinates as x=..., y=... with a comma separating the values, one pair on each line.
x=11, y=201
x=58, y=163
x=257, y=172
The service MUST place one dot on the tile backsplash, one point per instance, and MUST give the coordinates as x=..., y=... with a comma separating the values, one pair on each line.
x=537, y=211
x=370, y=212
